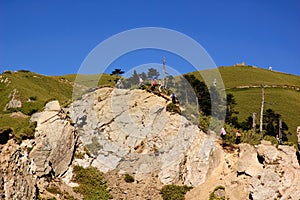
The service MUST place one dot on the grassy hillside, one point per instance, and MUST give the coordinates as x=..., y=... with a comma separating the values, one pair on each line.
x=282, y=92
x=33, y=90
x=252, y=76
x=89, y=80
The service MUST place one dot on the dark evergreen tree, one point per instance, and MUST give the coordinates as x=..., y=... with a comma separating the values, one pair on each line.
x=271, y=124
x=152, y=73
x=201, y=92
x=169, y=81
x=218, y=104
x=117, y=72
x=143, y=75
x=230, y=111
x=247, y=124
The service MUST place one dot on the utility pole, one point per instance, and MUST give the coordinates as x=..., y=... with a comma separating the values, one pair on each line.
x=254, y=121
x=280, y=130
x=262, y=107
x=163, y=70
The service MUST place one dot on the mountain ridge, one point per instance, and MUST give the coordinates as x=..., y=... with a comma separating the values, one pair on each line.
x=282, y=90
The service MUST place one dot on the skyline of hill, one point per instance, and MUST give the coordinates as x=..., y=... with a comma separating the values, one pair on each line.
x=244, y=82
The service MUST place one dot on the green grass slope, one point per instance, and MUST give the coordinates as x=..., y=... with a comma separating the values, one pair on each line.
x=33, y=90
x=89, y=80
x=282, y=92
x=252, y=76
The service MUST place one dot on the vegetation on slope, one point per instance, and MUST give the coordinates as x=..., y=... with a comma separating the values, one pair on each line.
x=243, y=82
x=174, y=192
x=282, y=93
x=33, y=91
x=234, y=76
x=89, y=80
x=91, y=183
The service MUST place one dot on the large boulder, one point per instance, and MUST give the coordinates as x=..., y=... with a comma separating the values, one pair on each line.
x=248, y=162
x=55, y=141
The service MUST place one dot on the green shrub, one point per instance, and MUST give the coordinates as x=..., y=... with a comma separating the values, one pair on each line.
x=67, y=196
x=7, y=72
x=251, y=137
x=212, y=195
x=173, y=108
x=272, y=139
x=204, y=122
x=29, y=108
x=25, y=131
x=128, y=178
x=23, y=70
x=44, y=198
x=230, y=134
x=91, y=183
x=79, y=155
x=291, y=144
x=54, y=190
x=174, y=192
x=33, y=98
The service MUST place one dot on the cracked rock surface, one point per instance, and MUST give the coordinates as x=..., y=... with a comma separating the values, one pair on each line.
x=130, y=130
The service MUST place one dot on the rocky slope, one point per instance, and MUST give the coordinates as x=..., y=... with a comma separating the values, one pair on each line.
x=130, y=131
x=260, y=172
x=121, y=126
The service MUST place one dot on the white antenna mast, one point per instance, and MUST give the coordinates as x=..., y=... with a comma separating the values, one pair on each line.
x=163, y=70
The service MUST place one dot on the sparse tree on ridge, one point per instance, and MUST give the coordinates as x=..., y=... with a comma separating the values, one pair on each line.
x=271, y=124
x=230, y=111
x=143, y=75
x=117, y=72
x=153, y=73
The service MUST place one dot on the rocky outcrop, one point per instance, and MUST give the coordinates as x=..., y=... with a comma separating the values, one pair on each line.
x=248, y=162
x=55, y=141
x=14, y=102
x=130, y=130
x=24, y=166
x=280, y=177
x=16, y=180
x=260, y=172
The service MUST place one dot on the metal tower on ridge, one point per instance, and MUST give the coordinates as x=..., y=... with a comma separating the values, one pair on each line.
x=163, y=70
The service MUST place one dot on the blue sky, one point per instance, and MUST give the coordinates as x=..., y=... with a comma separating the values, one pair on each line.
x=54, y=37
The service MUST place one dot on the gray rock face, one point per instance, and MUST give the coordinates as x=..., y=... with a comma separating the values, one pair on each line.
x=14, y=102
x=280, y=177
x=130, y=130
x=16, y=181
x=248, y=162
x=55, y=141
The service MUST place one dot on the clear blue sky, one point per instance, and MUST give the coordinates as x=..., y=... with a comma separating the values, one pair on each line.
x=54, y=37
